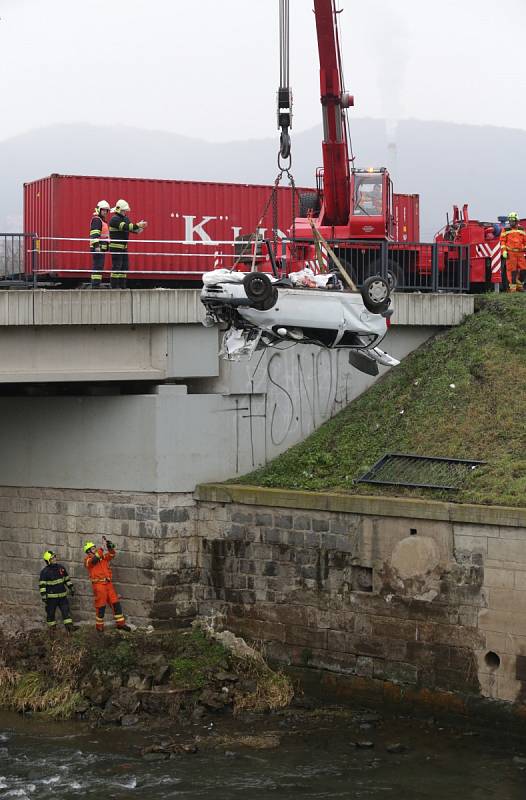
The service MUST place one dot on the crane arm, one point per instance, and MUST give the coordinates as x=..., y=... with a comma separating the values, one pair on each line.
x=336, y=177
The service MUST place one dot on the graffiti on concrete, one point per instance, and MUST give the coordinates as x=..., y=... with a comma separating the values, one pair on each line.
x=293, y=392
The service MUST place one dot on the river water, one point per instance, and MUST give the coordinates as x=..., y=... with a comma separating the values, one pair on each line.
x=329, y=754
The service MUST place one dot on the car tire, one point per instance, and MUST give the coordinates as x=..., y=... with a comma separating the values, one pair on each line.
x=258, y=287
x=376, y=294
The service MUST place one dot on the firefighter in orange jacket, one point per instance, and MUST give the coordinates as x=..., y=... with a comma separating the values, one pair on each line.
x=513, y=247
x=97, y=562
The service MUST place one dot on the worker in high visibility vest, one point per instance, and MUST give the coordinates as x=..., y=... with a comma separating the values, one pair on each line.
x=120, y=228
x=97, y=562
x=54, y=585
x=513, y=248
x=99, y=235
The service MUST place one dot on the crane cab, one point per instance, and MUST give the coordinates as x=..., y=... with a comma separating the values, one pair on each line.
x=371, y=209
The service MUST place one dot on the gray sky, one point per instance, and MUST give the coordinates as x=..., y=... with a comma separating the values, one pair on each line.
x=210, y=69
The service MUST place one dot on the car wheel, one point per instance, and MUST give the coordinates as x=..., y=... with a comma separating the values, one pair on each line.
x=258, y=287
x=376, y=294
x=395, y=275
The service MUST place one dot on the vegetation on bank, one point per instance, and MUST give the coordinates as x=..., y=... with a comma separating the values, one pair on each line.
x=111, y=677
x=461, y=395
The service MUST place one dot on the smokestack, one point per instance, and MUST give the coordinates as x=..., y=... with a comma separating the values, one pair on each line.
x=391, y=130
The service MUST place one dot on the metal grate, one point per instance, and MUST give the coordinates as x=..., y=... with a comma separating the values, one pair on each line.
x=429, y=472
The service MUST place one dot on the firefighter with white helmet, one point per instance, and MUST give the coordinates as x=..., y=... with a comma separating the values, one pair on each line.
x=120, y=228
x=99, y=240
x=513, y=248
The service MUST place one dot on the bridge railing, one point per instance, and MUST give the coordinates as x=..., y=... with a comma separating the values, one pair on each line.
x=17, y=256
x=409, y=266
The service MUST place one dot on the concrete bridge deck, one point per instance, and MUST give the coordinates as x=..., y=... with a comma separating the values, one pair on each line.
x=182, y=306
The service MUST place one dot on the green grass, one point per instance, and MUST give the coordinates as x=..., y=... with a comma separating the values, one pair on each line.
x=201, y=657
x=462, y=395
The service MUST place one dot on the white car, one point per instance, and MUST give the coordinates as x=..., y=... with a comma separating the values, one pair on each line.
x=261, y=310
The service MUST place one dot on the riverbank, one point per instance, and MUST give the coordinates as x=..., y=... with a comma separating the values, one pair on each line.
x=131, y=678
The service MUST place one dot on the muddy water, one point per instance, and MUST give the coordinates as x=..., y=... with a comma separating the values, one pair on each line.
x=317, y=757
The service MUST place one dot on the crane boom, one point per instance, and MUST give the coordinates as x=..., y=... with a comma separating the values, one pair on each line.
x=334, y=100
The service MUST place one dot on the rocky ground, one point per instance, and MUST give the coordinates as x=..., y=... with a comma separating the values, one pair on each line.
x=136, y=678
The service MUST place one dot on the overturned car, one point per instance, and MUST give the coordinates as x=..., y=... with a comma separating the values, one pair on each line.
x=259, y=310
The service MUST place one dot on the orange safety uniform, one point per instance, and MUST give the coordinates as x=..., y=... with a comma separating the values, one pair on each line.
x=513, y=244
x=104, y=592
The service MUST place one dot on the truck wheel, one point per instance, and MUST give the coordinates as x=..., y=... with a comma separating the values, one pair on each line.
x=258, y=287
x=309, y=201
x=376, y=294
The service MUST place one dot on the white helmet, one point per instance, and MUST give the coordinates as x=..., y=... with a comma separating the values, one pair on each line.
x=102, y=204
x=121, y=205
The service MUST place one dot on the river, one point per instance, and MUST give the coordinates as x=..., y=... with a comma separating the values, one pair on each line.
x=334, y=753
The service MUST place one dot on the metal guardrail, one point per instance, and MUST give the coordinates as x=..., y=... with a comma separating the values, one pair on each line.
x=17, y=256
x=410, y=266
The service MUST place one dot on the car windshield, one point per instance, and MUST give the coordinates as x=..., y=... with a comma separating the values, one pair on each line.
x=368, y=195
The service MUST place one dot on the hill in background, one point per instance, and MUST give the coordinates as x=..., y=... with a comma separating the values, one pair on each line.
x=444, y=163
x=460, y=395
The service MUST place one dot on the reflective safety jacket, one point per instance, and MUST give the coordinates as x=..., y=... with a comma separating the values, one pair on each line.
x=120, y=229
x=99, y=233
x=54, y=582
x=98, y=565
x=513, y=240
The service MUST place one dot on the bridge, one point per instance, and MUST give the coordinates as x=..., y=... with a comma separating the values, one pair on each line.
x=124, y=389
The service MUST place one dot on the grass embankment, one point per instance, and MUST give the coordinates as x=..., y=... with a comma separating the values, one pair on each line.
x=160, y=674
x=461, y=395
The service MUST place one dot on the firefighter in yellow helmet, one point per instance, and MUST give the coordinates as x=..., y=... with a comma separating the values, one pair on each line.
x=55, y=584
x=513, y=248
x=120, y=228
x=97, y=562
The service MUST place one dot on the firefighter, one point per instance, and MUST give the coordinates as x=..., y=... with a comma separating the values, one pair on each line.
x=513, y=246
x=120, y=229
x=97, y=562
x=55, y=584
x=99, y=235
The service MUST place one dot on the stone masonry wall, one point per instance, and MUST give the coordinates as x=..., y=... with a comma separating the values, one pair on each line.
x=427, y=595
x=432, y=603
x=156, y=550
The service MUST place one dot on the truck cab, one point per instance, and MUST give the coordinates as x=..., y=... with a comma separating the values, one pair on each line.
x=371, y=215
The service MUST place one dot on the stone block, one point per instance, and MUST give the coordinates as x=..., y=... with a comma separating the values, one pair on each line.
x=499, y=621
x=242, y=517
x=511, y=550
x=311, y=539
x=507, y=600
x=302, y=523
x=520, y=580
x=400, y=672
x=263, y=520
x=320, y=525
x=306, y=637
x=393, y=628
x=271, y=535
x=364, y=666
x=283, y=521
x=500, y=578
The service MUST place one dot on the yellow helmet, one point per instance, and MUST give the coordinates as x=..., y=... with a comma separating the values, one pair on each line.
x=513, y=215
x=121, y=206
x=48, y=555
x=88, y=546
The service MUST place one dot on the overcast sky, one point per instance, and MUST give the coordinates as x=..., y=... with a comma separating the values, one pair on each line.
x=210, y=69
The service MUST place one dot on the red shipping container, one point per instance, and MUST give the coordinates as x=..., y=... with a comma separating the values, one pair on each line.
x=58, y=210
x=407, y=217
